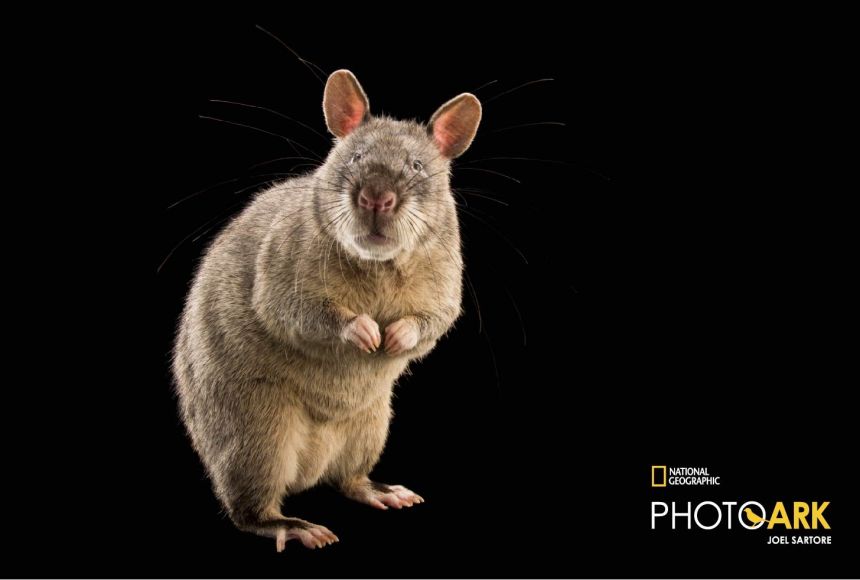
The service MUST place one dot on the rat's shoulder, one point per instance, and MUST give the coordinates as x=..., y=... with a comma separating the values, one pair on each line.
x=284, y=193
x=275, y=201
x=247, y=229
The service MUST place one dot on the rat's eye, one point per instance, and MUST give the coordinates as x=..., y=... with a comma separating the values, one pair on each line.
x=355, y=157
x=417, y=165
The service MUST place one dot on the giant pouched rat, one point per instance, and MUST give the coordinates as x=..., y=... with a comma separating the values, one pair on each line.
x=312, y=302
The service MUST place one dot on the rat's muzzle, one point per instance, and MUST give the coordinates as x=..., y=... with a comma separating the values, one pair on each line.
x=377, y=200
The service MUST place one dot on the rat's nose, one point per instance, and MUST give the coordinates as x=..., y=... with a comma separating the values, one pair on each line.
x=382, y=203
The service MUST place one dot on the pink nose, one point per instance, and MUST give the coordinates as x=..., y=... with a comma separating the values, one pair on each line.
x=383, y=203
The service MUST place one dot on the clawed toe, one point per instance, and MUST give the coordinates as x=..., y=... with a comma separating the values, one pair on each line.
x=383, y=496
x=311, y=536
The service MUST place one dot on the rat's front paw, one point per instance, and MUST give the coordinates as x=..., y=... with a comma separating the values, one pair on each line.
x=363, y=332
x=401, y=336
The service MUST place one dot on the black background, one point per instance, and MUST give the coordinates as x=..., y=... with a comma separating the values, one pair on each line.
x=679, y=303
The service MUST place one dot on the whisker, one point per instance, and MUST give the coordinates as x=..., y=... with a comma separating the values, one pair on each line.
x=292, y=143
x=519, y=315
x=276, y=174
x=492, y=171
x=426, y=253
x=473, y=294
x=202, y=191
x=558, y=161
x=319, y=68
x=496, y=200
x=346, y=165
x=210, y=223
x=225, y=182
x=472, y=209
x=350, y=179
x=333, y=186
x=539, y=123
x=493, y=359
x=340, y=260
x=210, y=228
x=276, y=159
x=307, y=63
x=540, y=160
x=415, y=213
x=497, y=232
x=485, y=85
x=420, y=181
x=274, y=112
x=475, y=300
x=460, y=196
x=522, y=86
x=324, y=265
x=283, y=186
x=421, y=154
x=305, y=165
x=294, y=230
x=267, y=183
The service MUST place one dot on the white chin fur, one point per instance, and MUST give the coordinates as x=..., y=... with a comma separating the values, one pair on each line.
x=380, y=254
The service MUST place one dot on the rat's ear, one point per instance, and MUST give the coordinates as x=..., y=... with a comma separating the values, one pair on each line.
x=344, y=103
x=454, y=125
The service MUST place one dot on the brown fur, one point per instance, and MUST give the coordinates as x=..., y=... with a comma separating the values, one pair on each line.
x=275, y=396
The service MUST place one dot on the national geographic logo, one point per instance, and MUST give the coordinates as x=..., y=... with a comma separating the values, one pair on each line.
x=778, y=518
x=664, y=476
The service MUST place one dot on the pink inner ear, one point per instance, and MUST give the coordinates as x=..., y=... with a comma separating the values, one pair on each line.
x=445, y=132
x=353, y=113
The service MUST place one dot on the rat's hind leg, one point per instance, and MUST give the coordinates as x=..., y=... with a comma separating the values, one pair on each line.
x=255, y=478
x=257, y=510
x=365, y=437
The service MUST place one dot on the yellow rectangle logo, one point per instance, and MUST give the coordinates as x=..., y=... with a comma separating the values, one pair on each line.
x=655, y=470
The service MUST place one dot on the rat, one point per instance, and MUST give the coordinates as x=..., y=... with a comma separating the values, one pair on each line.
x=311, y=303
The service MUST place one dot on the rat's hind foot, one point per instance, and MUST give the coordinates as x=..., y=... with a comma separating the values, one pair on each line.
x=311, y=535
x=286, y=529
x=380, y=495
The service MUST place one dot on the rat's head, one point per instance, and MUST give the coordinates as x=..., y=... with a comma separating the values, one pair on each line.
x=385, y=185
